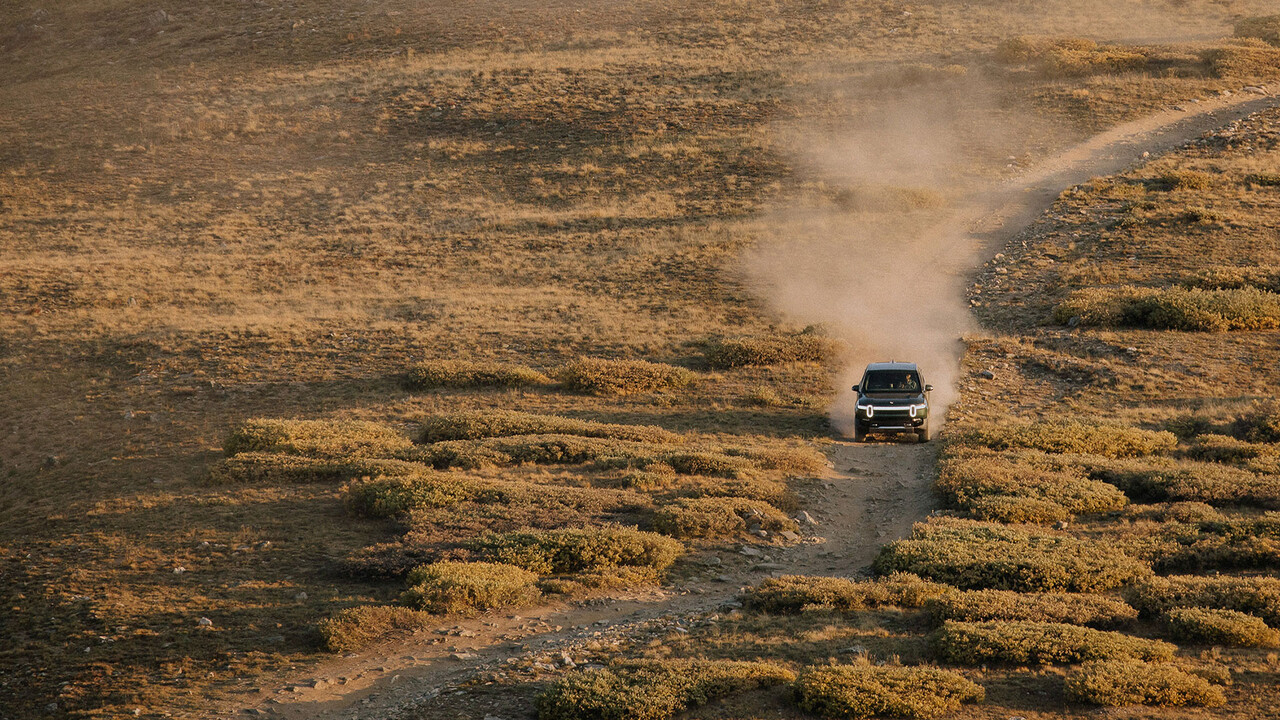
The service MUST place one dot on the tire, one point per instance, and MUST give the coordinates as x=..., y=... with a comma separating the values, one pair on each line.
x=859, y=432
x=924, y=434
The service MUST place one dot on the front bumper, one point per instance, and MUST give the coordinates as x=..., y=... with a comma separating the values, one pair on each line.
x=893, y=418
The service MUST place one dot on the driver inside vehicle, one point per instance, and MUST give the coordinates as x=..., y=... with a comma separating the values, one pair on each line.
x=908, y=382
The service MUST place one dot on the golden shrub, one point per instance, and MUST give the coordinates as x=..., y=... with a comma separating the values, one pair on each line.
x=1006, y=605
x=358, y=627
x=654, y=689
x=476, y=424
x=597, y=376
x=1117, y=683
x=317, y=438
x=573, y=550
x=792, y=594
x=1013, y=488
x=1221, y=627
x=431, y=374
x=976, y=555
x=466, y=588
x=1174, y=308
x=864, y=690
x=1113, y=441
x=770, y=350
x=717, y=517
x=1259, y=596
x=1265, y=28
x=1024, y=642
x=260, y=467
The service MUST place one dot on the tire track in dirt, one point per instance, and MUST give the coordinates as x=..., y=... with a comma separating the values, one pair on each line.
x=872, y=495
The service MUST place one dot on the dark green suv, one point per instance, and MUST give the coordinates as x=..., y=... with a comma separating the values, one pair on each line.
x=892, y=398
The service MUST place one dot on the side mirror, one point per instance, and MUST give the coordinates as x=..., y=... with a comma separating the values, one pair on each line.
x=855, y=389
x=928, y=388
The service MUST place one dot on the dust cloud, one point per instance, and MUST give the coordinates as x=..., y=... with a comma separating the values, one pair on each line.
x=877, y=252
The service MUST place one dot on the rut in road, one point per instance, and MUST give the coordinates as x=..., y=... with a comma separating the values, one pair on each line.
x=873, y=494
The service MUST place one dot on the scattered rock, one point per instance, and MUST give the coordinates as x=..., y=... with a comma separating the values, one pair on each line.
x=760, y=533
x=724, y=579
x=204, y=622
x=467, y=656
x=853, y=650
x=750, y=551
x=1074, y=321
x=804, y=518
x=179, y=570
x=790, y=536
x=1060, y=525
x=159, y=17
x=52, y=462
x=987, y=375
x=300, y=597
x=1256, y=90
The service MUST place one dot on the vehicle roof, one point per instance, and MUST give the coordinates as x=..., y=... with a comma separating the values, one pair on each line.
x=892, y=366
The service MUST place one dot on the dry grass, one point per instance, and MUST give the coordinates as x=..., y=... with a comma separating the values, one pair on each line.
x=770, y=350
x=432, y=374
x=317, y=438
x=355, y=628
x=476, y=424
x=1172, y=308
x=597, y=376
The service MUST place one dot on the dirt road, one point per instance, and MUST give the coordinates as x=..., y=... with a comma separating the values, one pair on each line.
x=872, y=495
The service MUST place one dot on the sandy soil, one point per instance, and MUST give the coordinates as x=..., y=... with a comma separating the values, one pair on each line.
x=872, y=495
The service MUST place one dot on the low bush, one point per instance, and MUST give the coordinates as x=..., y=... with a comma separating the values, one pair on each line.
x=1176, y=308
x=1211, y=544
x=1261, y=425
x=705, y=463
x=466, y=588
x=1245, y=59
x=1211, y=447
x=317, y=438
x=1163, y=479
x=974, y=555
x=1266, y=179
x=771, y=350
x=652, y=690
x=1113, y=441
x=260, y=467
x=791, y=594
x=608, y=453
x=747, y=485
x=1233, y=277
x=596, y=376
x=1258, y=596
x=1005, y=605
x=1185, y=512
x=803, y=460
x=432, y=374
x=1116, y=683
x=1023, y=643
x=386, y=496
x=1265, y=28
x=358, y=627
x=1062, y=57
x=476, y=424
x=1181, y=180
x=865, y=690
x=1006, y=488
x=718, y=517
x=572, y=550
x=1221, y=627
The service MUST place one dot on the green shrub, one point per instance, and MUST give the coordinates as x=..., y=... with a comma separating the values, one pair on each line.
x=466, y=588
x=476, y=424
x=1221, y=627
x=1259, y=426
x=1112, y=441
x=1117, y=683
x=1265, y=28
x=259, y=467
x=1176, y=308
x=976, y=555
x=999, y=487
x=358, y=627
x=1258, y=596
x=555, y=552
x=705, y=463
x=1005, y=605
x=652, y=690
x=791, y=594
x=1246, y=59
x=1023, y=643
x=865, y=690
x=596, y=376
x=1162, y=479
x=772, y=350
x=717, y=517
x=1232, y=277
x=431, y=374
x=317, y=438
x=747, y=485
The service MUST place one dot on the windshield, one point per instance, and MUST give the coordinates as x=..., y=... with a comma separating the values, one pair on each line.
x=891, y=381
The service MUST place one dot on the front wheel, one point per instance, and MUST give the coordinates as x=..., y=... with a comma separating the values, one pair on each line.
x=924, y=435
x=859, y=432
